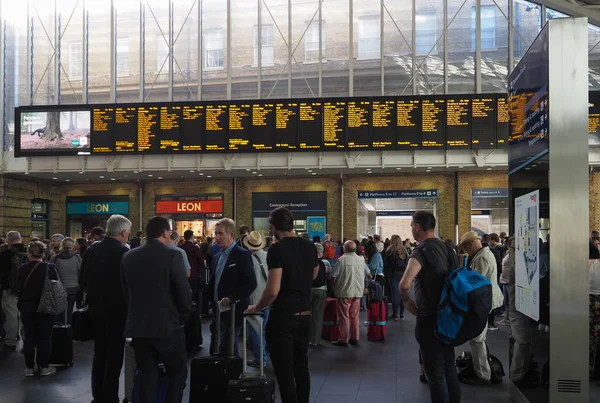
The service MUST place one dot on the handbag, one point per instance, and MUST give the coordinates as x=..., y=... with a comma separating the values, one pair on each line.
x=82, y=325
x=53, y=299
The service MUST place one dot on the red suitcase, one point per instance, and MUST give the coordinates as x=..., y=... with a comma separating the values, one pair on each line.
x=377, y=321
x=331, y=330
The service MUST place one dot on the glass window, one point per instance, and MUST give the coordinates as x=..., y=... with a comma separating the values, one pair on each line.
x=551, y=14
x=488, y=27
x=266, y=45
x=213, y=48
x=162, y=52
x=128, y=26
x=426, y=28
x=397, y=50
x=75, y=60
x=526, y=23
x=369, y=37
x=311, y=41
x=123, y=56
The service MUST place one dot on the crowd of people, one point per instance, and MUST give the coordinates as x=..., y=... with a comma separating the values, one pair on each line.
x=144, y=288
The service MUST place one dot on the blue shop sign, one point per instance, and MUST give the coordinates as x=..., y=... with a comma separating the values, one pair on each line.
x=489, y=192
x=98, y=208
x=398, y=194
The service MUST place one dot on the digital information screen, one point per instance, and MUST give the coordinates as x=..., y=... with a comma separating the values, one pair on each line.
x=502, y=122
x=458, y=111
x=191, y=134
x=170, y=128
x=262, y=130
x=126, y=129
x=359, y=124
x=483, y=121
x=103, y=119
x=286, y=126
x=216, y=127
x=310, y=125
x=383, y=124
x=594, y=119
x=147, y=128
x=239, y=127
x=408, y=122
x=334, y=124
x=433, y=122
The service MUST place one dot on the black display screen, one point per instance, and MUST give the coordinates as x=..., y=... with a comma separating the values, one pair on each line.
x=359, y=124
x=169, y=137
x=383, y=124
x=286, y=125
x=103, y=121
x=262, y=131
x=408, y=120
x=239, y=126
x=193, y=122
x=126, y=129
x=502, y=121
x=433, y=117
x=458, y=116
x=216, y=127
x=483, y=121
x=310, y=125
x=334, y=124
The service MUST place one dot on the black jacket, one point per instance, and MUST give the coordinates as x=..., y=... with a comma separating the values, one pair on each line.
x=101, y=278
x=6, y=264
x=237, y=282
x=156, y=289
x=393, y=265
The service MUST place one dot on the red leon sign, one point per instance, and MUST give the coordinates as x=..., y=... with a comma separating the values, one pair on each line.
x=189, y=206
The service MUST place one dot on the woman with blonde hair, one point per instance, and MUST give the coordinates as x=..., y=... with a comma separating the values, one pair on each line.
x=394, y=265
x=69, y=267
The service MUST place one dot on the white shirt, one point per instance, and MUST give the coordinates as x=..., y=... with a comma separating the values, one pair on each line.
x=594, y=268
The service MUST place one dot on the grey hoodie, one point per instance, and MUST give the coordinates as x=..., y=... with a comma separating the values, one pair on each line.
x=69, y=266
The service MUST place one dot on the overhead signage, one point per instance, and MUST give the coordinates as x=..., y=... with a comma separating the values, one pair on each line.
x=39, y=216
x=397, y=194
x=489, y=192
x=189, y=206
x=305, y=202
x=394, y=213
x=527, y=256
x=98, y=208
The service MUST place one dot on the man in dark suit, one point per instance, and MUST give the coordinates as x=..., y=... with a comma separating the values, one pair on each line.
x=197, y=263
x=159, y=301
x=233, y=280
x=101, y=279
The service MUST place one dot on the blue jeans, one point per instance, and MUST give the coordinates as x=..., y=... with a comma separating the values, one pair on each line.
x=224, y=340
x=395, y=286
x=438, y=362
x=255, y=338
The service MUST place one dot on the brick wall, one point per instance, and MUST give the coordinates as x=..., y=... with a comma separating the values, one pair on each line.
x=594, y=198
x=245, y=188
x=15, y=204
x=224, y=186
x=443, y=182
x=474, y=180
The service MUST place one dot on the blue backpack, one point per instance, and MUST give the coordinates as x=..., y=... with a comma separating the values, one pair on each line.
x=464, y=306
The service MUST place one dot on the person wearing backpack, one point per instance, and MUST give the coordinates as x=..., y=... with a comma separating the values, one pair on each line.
x=394, y=265
x=329, y=249
x=69, y=268
x=10, y=261
x=429, y=279
x=482, y=261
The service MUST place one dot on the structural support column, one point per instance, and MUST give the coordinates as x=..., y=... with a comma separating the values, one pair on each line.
x=85, y=54
x=511, y=36
x=381, y=45
x=142, y=93
x=29, y=54
x=478, y=46
x=445, y=46
x=229, y=53
x=171, y=52
x=290, y=54
x=259, y=50
x=350, y=48
x=57, y=30
x=113, y=52
x=200, y=51
x=414, y=47
x=2, y=81
x=320, y=48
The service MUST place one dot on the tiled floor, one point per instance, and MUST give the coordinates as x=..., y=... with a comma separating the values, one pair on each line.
x=373, y=372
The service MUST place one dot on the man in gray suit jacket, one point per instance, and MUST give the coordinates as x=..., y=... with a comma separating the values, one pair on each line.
x=159, y=300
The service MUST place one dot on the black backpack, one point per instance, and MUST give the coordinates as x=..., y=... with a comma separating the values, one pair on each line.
x=464, y=367
x=16, y=261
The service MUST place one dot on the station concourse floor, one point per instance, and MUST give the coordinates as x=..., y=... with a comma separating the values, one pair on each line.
x=373, y=372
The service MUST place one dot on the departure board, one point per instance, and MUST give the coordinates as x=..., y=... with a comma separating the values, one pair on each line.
x=103, y=119
x=262, y=131
x=594, y=118
x=359, y=124
x=193, y=122
x=383, y=123
x=483, y=121
x=310, y=125
x=408, y=116
x=169, y=129
x=433, y=119
x=458, y=111
x=286, y=125
x=126, y=129
x=502, y=121
x=147, y=128
x=239, y=126
x=334, y=124
x=216, y=127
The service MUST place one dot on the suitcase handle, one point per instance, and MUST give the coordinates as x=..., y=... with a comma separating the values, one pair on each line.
x=261, y=315
x=232, y=339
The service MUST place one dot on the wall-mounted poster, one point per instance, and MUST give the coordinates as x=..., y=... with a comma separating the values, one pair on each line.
x=527, y=254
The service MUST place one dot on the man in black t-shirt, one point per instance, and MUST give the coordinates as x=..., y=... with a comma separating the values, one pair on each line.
x=428, y=267
x=293, y=265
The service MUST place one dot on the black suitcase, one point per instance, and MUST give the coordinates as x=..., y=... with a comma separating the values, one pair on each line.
x=209, y=376
x=62, y=345
x=249, y=388
x=193, y=330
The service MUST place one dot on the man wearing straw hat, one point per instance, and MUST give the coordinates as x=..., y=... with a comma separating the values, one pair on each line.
x=255, y=243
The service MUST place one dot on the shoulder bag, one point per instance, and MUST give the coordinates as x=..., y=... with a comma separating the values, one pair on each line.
x=53, y=299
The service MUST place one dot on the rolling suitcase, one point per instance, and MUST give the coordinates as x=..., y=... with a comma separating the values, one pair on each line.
x=209, y=376
x=161, y=391
x=129, y=371
x=249, y=388
x=193, y=330
x=331, y=330
x=377, y=321
x=62, y=345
